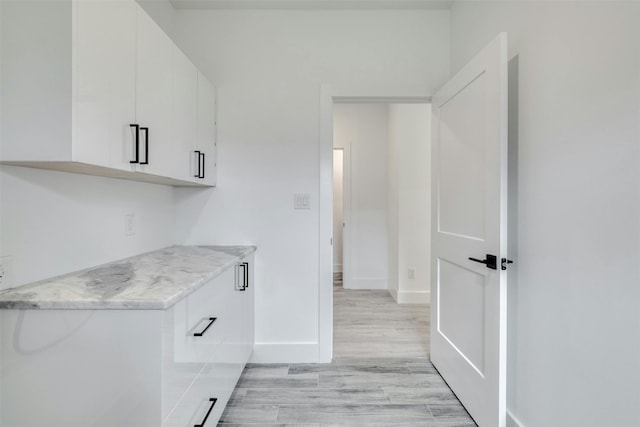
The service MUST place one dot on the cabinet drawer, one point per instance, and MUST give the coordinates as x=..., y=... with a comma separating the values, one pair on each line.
x=196, y=405
x=210, y=301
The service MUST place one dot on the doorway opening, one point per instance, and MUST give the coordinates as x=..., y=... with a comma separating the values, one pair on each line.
x=329, y=98
x=381, y=229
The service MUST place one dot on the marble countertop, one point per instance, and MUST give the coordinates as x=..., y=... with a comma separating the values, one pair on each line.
x=152, y=281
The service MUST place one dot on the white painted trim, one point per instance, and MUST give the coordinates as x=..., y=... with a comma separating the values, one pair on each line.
x=513, y=421
x=325, y=228
x=313, y=4
x=296, y=352
x=346, y=212
x=329, y=95
x=415, y=297
x=394, y=294
x=366, y=283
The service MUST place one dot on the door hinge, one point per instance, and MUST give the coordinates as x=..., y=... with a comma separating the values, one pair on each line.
x=504, y=262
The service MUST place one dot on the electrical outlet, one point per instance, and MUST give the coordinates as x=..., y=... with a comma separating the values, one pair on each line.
x=130, y=225
x=412, y=273
x=6, y=272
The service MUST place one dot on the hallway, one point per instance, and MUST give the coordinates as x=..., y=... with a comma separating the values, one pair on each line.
x=380, y=375
x=369, y=323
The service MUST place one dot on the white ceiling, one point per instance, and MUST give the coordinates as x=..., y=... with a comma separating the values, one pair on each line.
x=312, y=4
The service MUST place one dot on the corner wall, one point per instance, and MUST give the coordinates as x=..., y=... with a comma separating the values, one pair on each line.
x=576, y=343
x=409, y=205
x=362, y=130
x=268, y=67
x=54, y=223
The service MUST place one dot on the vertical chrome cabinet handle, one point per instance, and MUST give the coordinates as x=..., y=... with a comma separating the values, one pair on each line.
x=198, y=154
x=202, y=156
x=213, y=401
x=136, y=142
x=146, y=145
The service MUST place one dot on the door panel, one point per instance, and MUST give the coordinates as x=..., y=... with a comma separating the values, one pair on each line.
x=461, y=295
x=461, y=163
x=469, y=166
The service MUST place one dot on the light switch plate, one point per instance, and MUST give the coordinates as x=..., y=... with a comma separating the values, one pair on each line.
x=301, y=201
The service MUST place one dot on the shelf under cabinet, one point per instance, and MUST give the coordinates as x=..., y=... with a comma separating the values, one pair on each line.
x=94, y=170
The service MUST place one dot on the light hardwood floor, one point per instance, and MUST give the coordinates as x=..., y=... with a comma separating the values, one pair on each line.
x=369, y=323
x=381, y=375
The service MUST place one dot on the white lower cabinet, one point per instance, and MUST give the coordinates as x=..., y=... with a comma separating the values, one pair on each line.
x=121, y=368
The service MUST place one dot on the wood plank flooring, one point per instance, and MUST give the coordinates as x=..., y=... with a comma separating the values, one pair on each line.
x=381, y=375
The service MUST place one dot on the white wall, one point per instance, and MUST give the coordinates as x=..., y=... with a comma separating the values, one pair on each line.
x=268, y=67
x=162, y=12
x=338, y=214
x=363, y=129
x=574, y=359
x=54, y=223
x=409, y=207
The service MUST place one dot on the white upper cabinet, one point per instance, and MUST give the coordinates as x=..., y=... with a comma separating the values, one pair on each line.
x=153, y=98
x=97, y=87
x=184, y=101
x=104, y=83
x=206, y=140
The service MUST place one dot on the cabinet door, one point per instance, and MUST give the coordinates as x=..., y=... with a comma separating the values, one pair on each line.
x=153, y=98
x=204, y=402
x=184, y=94
x=104, y=41
x=207, y=129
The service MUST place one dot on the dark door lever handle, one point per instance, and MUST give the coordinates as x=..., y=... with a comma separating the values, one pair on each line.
x=491, y=261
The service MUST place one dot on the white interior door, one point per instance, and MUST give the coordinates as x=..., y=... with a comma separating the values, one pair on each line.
x=469, y=160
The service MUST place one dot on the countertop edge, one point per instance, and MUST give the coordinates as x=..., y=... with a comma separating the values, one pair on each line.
x=116, y=304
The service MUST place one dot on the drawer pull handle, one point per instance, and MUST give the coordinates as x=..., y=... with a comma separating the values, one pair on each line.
x=198, y=154
x=146, y=146
x=201, y=333
x=242, y=277
x=213, y=401
x=246, y=274
x=137, y=143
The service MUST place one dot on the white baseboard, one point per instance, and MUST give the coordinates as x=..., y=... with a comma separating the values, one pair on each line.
x=360, y=283
x=512, y=421
x=411, y=297
x=285, y=353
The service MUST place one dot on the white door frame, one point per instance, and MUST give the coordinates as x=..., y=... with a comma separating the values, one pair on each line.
x=328, y=96
x=346, y=208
